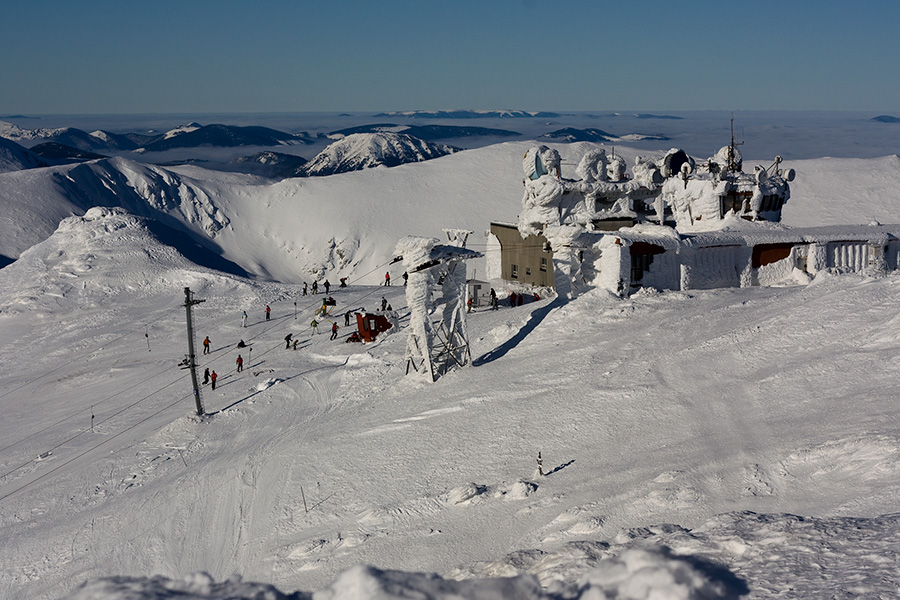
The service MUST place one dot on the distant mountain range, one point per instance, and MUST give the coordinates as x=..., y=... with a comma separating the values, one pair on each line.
x=191, y=135
x=886, y=119
x=426, y=132
x=60, y=153
x=471, y=114
x=571, y=134
x=223, y=136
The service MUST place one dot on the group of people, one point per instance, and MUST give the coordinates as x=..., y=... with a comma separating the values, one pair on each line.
x=514, y=300
x=387, y=278
x=325, y=284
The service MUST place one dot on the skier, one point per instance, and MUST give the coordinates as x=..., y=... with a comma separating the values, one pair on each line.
x=327, y=285
x=315, y=287
x=469, y=304
x=315, y=326
x=287, y=340
x=512, y=299
x=387, y=279
x=240, y=363
x=343, y=282
x=294, y=344
x=493, y=299
x=405, y=278
x=212, y=379
x=206, y=345
x=304, y=288
x=244, y=319
x=268, y=312
x=206, y=376
x=347, y=318
x=334, y=330
x=383, y=304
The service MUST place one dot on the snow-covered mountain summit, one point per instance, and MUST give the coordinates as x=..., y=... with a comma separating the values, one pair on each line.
x=91, y=259
x=15, y=157
x=367, y=150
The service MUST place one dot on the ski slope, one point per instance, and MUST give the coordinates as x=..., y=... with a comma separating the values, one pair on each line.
x=754, y=428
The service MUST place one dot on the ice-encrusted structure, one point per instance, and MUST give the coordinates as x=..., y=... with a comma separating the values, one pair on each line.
x=704, y=197
x=435, y=345
x=609, y=228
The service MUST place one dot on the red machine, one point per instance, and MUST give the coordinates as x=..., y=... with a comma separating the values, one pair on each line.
x=370, y=325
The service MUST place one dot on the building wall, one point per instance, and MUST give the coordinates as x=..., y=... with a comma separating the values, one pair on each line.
x=523, y=260
x=713, y=267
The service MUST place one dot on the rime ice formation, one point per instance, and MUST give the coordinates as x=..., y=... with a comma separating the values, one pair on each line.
x=670, y=190
x=433, y=348
x=704, y=197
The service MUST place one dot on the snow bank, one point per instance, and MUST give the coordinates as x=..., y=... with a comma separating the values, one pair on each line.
x=639, y=574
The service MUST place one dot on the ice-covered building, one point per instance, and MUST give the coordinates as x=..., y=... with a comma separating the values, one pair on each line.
x=672, y=224
x=719, y=188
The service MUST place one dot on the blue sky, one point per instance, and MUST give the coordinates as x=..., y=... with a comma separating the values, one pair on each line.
x=96, y=57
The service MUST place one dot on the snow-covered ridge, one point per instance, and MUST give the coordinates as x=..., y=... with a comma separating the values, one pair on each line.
x=94, y=258
x=14, y=157
x=367, y=150
x=192, y=126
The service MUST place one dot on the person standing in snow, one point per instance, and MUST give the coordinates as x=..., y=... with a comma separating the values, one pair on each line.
x=347, y=318
x=315, y=326
x=212, y=379
x=294, y=344
x=512, y=299
x=268, y=312
x=206, y=376
x=304, y=288
x=315, y=287
x=327, y=285
x=240, y=363
x=387, y=279
x=383, y=304
x=493, y=299
x=287, y=340
x=244, y=319
x=206, y=345
x=343, y=282
x=334, y=330
x=405, y=278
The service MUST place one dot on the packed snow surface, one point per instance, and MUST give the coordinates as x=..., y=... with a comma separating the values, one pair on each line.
x=733, y=443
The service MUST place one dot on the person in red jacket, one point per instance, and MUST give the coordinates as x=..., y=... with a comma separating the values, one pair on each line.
x=212, y=378
x=240, y=363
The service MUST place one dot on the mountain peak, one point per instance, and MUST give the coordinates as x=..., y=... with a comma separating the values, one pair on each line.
x=359, y=151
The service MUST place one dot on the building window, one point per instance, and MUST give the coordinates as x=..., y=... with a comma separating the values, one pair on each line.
x=528, y=270
x=515, y=272
x=543, y=264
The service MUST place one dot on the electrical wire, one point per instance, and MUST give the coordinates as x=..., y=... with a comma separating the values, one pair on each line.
x=74, y=359
x=113, y=415
x=83, y=431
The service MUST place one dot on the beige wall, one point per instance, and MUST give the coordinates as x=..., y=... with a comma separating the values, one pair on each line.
x=525, y=254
